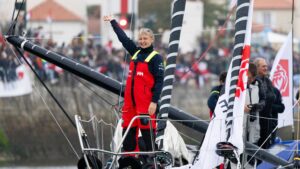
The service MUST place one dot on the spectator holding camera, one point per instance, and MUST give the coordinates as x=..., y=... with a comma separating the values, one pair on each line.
x=266, y=113
x=255, y=102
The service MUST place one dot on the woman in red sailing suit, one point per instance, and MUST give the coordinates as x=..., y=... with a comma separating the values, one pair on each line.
x=143, y=85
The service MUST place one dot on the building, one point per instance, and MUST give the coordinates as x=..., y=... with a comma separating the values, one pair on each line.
x=113, y=7
x=192, y=27
x=57, y=22
x=274, y=15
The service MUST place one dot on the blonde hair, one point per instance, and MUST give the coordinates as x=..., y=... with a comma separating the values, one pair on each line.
x=146, y=31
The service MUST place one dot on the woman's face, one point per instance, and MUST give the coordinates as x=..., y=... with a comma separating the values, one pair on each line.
x=145, y=40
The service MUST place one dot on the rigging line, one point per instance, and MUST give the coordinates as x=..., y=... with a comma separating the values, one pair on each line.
x=298, y=102
x=270, y=118
x=125, y=60
x=171, y=120
x=213, y=41
x=189, y=137
x=292, y=22
x=93, y=91
x=196, y=157
x=260, y=147
x=275, y=149
x=113, y=106
x=48, y=90
x=284, y=167
x=13, y=24
x=155, y=34
x=123, y=79
x=11, y=31
x=12, y=27
x=49, y=110
x=13, y=14
x=98, y=121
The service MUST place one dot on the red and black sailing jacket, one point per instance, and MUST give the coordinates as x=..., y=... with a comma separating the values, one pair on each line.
x=139, y=84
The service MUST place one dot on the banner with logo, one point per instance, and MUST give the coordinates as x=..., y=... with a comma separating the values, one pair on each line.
x=14, y=81
x=282, y=76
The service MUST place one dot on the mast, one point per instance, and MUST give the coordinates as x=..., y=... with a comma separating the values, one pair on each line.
x=115, y=87
x=176, y=25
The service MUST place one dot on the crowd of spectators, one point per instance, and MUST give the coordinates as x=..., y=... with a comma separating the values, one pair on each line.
x=192, y=68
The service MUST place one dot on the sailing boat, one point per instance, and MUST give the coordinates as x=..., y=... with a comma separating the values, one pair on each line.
x=116, y=87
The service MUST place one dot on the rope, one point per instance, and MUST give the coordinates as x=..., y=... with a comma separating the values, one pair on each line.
x=13, y=22
x=298, y=120
x=210, y=45
x=49, y=110
x=46, y=87
x=260, y=147
x=155, y=34
x=125, y=60
x=94, y=92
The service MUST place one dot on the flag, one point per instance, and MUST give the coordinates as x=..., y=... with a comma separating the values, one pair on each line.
x=227, y=124
x=14, y=82
x=281, y=76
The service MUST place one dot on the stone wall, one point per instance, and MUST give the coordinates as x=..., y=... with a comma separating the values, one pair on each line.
x=34, y=136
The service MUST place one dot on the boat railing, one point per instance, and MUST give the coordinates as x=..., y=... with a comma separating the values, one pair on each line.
x=86, y=149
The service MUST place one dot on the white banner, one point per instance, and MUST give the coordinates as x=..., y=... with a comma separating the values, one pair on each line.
x=282, y=78
x=14, y=81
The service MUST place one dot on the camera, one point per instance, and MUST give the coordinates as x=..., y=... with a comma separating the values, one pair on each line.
x=252, y=112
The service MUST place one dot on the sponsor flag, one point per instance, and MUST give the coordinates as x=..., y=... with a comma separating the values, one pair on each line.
x=281, y=76
x=14, y=82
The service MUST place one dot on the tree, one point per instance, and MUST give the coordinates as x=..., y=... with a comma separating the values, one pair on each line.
x=155, y=14
x=214, y=14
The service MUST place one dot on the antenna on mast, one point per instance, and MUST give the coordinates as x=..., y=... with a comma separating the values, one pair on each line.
x=292, y=23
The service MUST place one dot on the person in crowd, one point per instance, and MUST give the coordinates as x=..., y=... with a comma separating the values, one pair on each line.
x=254, y=103
x=265, y=114
x=215, y=93
x=143, y=85
x=277, y=107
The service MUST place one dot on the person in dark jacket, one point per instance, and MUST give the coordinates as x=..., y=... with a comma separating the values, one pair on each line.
x=277, y=107
x=143, y=86
x=254, y=103
x=266, y=113
x=215, y=93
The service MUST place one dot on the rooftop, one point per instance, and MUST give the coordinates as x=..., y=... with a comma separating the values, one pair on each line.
x=54, y=10
x=273, y=4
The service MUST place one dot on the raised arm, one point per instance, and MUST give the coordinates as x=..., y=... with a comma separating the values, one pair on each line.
x=127, y=43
